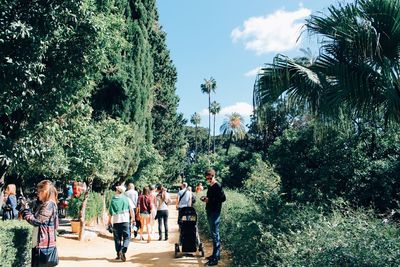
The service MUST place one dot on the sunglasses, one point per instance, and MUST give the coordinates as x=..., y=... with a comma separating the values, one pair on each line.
x=208, y=178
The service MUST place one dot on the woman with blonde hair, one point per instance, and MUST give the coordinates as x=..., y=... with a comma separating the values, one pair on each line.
x=45, y=218
x=10, y=203
x=145, y=206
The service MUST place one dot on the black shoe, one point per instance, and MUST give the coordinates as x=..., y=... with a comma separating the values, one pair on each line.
x=212, y=257
x=166, y=238
x=212, y=262
x=160, y=238
x=117, y=258
x=123, y=258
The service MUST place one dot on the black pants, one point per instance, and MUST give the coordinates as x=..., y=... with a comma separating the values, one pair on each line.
x=162, y=215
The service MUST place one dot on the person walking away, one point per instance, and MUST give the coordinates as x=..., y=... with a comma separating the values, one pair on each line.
x=10, y=203
x=215, y=197
x=45, y=220
x=120, y=216
x=153, y=196
x=163, y=199
x=132, y=195
x=145, y=208
x=184, y=200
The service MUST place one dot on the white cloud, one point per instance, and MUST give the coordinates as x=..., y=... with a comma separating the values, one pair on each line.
x=242, y=108
x=253, y=72
x=276, y=32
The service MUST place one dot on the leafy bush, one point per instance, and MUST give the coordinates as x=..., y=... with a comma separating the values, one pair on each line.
x=94, y=207
x=240, y=165
x=263, y=180
x=362, y=168
x=353, y=239
x=15, y=243
x=273, y=232
x=74, y=207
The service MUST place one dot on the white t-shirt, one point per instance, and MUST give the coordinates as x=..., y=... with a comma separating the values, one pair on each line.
x=132, y=194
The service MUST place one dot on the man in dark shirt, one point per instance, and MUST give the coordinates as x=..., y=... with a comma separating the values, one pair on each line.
x=214, y=199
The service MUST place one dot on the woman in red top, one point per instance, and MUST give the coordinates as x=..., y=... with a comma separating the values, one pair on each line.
x=145, y=206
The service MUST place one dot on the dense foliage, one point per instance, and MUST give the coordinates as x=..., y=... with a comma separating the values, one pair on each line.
x=86, y=88
x=15, y=243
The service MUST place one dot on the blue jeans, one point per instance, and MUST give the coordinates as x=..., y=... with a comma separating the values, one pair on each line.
x=214, y=219
x=122, y=236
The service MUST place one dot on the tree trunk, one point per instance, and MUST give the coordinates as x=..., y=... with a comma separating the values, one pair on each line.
x=209, y=121
x=214, y=136
x=195, y=143
x=82, y=213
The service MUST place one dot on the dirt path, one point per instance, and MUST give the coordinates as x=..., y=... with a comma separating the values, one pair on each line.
x=100, y=252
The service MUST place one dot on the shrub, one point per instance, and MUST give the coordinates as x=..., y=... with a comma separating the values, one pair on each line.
x=263, y=181
x=74, y=207
x=94, y=207
x=352, y=239
x=15, y=243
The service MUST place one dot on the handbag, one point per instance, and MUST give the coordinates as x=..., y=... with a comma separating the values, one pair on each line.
x=47, y=257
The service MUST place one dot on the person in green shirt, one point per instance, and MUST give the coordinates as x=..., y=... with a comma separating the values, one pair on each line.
x=120, y=216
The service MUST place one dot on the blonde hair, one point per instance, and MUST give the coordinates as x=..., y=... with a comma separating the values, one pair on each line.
x=131, y=186
x=48, y=188
x=11, y=189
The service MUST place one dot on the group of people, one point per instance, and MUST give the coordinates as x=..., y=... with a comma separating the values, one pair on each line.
x=129, y=209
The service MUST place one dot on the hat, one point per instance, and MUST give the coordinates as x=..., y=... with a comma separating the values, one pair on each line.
x=120, y=188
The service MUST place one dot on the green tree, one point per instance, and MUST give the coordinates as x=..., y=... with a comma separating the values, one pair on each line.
x=233, y=127
x=215, y=109
x=356, y=72
x=167, y=125
x=208, y=87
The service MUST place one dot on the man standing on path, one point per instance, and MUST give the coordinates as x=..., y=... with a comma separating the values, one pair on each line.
x=215, y=197
x=121, y=214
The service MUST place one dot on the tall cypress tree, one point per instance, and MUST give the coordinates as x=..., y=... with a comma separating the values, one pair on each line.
x=169, y=136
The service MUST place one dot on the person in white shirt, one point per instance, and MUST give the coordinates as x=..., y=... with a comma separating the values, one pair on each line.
x=184, y=199
x=132, y=194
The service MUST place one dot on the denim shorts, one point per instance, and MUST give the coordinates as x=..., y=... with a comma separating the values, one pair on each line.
x=145, y=215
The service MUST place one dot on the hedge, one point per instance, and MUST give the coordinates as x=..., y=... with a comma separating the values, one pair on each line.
x=15, y=243
x=278, y=233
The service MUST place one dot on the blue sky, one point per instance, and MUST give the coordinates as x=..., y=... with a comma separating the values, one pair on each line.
x=229, y=40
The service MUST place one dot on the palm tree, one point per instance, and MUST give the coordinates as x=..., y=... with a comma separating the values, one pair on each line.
x=233, y=126
x=357, y=71
x=215, y=109
x=207, y=87
x=195, y=119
